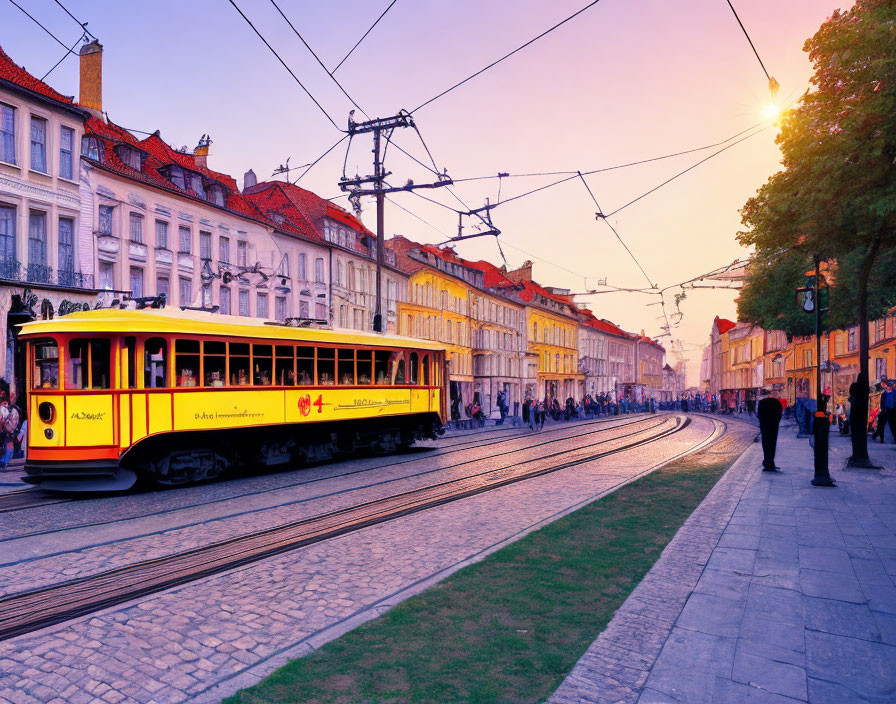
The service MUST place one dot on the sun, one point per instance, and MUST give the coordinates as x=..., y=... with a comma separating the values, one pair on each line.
x=771, y=111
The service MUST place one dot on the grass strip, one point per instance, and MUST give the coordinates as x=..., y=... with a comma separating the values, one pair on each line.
x=511, y=627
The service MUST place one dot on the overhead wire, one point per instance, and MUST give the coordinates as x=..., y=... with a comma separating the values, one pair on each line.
x=37, y=22
x=64, y=57
x=363, y=37
x=284, y=64
x=752, y=46
x=506, y=56
x=315, y=162
x=82, y=25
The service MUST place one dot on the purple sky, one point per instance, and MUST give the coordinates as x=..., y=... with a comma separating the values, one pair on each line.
x=623, y=81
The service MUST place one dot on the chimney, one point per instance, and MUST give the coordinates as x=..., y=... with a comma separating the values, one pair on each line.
x=200, y=153
x=524, y=273
x=249, y=180
x=91, y=89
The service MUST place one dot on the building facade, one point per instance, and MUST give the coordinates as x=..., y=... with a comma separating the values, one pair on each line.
x=45, y=244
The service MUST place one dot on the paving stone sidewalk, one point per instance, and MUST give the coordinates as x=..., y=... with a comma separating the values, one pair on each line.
x=773, y=591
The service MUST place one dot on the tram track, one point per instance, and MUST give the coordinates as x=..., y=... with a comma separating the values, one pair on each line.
x=28, y=498
x=424, y=456
x=32, y=610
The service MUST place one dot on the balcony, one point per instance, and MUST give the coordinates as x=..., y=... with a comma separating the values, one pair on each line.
x=44, y=275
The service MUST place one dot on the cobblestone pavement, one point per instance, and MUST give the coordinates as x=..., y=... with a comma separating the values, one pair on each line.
x=206, y=639
x=41, y=560
x=773, y=591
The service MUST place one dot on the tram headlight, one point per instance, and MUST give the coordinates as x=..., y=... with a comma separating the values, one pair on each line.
x=48, y=433
x=46, y=411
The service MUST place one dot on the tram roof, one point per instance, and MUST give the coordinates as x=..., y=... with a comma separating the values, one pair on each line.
x=172, y=322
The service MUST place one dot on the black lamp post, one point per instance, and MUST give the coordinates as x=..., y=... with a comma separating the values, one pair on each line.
x=821, y=427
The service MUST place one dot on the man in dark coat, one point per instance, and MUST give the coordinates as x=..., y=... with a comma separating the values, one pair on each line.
x=769, y=411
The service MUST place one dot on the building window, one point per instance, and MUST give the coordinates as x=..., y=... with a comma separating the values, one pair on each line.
x=852, y=343
x=185, y=240
x=319, y=270
x=161, y=234
x=301, y=273
x=130, y=157
x=284, y=266
x=136, y=228
x=39, y=144
x=224, y=301
x=303, y=309
x=8, y=262
x=242, y=251
x=105, y=223
x=91, y=148
x=261, y=305
x=163, y=286
x=880, y=368
x=66, y=263
x=280, y=309
x=136, y=282
x=37, y=247
x=206, y=296
x=194, y=184
x=66, y=162
x=216, y=195
x=244, y=302
x=320, y=311
x=176, y=175
x=186, y=291
x=107, y=276
x=205, y=245
x=224, y=250
x=7, y=134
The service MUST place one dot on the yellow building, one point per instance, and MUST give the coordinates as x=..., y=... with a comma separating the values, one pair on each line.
x=438, y=308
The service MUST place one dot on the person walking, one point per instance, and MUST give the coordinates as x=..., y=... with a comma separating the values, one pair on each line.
x=502, y=407
x=769, y=412
x=888, y=406
x=880, y=420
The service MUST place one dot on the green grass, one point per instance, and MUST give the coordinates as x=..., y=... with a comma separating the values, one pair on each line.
x=509, y=628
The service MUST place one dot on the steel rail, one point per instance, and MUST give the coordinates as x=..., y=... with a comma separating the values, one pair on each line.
x=28, y=498
x=437, y=452
x=29, y=611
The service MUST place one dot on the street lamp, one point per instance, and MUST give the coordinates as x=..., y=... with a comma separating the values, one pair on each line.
x=809, y=298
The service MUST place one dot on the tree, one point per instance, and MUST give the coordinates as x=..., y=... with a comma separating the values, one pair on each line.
x=836, y=195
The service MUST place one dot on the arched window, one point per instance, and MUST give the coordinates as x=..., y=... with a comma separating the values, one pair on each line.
x=413, y=364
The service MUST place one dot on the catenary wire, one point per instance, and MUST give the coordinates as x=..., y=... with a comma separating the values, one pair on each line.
x=35, y=20
x=691, y=167
x=284, y=64
x=747, y=35
x=506, y=56
x=82, y=25
x=64, y=57
x=315, y=162
x=610, y=225
x=363, y=37
x=308, y=47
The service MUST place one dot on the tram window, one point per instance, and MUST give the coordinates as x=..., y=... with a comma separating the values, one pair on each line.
x=155, y=368
x=262, y=358
x=46, y=364
x=381, y=367
x=413, y=363
x=76, y=373
x=214, y=363
x=88, y=364
x=130, y=344
x=365, y=365
x=305, y=366
x=424, y=368
x=239, y=364
x=346, y=367
x=100, y=364
x=284, y=372
x=326, y=366
x=186, y=362
x=396, y=368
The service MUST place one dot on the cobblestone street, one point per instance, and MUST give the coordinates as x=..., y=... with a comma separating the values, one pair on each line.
x=204, y=640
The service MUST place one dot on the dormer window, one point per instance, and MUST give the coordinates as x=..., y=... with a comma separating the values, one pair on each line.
x=216, y=194
x=194, y=184
x=91, y=147
x=130, y=156
x=175, y=174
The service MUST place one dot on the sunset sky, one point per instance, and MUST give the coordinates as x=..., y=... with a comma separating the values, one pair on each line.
x=623, y=81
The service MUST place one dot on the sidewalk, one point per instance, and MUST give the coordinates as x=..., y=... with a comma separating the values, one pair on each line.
x=773, y=591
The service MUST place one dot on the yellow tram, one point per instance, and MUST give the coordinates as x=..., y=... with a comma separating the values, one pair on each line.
x=116, y=395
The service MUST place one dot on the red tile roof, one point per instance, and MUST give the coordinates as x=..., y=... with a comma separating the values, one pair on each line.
x=724, y=325
x=9, y=71
x=493, y=276
x=606, y=326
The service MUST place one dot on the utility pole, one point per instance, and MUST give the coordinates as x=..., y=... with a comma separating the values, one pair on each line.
x=379, y=188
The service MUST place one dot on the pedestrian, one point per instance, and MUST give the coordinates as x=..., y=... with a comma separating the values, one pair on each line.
x=881, y=417
x=769, y=411
x=888, y=404
x=542, y=413
x=502, y=407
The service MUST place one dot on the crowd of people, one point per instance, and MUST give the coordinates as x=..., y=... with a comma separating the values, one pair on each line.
x=13, y=430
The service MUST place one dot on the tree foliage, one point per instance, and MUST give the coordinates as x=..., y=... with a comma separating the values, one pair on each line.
x=836, y=195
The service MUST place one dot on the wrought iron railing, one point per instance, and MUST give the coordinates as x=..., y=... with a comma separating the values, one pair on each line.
x=11, y=270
